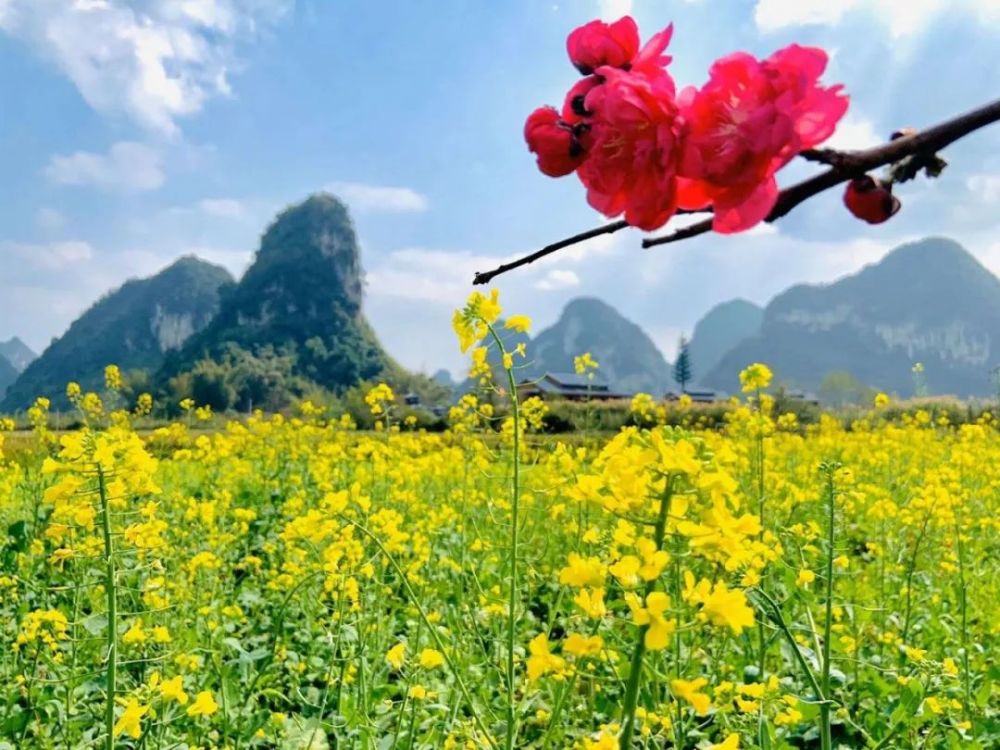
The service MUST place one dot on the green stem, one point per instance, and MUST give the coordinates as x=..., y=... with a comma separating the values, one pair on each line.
x=759, y=471
x=963, y=607
x=635, y=667
x=911, y=569
x=514, y=529
x=554, y=718
x=761, y=635
x=438, y=643
x=826, y=736
x=110, y=584
x=71, y=683
x=778, y=620
x=680, y=732
x=514, y=523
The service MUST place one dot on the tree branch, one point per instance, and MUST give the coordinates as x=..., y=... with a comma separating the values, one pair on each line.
x=484, y=277
x=921, y=146
x=918, y=147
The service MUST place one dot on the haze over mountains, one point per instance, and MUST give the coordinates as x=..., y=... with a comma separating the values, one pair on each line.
x=7, y=373
x=929, y=301
x=133, y=327
x=295, y=323
x=722, y=328
x=629, y=360
x=15, y=355
x=292, y=323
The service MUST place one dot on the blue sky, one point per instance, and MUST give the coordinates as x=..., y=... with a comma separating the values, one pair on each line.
x=136, y=131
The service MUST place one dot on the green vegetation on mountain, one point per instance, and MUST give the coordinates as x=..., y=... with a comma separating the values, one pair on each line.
x=629, y=360
x=294, y=320
x=293, y=328
x=133, y=327
x=718, y=331
x=930, y=302
x=8, y=374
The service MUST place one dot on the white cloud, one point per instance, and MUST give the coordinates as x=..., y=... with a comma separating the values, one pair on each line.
x=365, y=198
x=127, y=167
x=902, y=17
x=223, y=208
x=49, y=220
x=776, y=14
x=436, y=276
x=985, y=187
x=602, y=245
x=51, y=256
x=612, y=10
x=764, y=229
x=853, y=133
x=145, y=261
x=666, y=338
x=556, y=279
x=445, y=276
x=152, y=60
x=235, y=260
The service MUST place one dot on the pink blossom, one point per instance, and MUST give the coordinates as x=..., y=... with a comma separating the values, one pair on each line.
x=635, y=136
x=642, y=151
x=575, y=106
x=748, y=121
x=563, y=141
x=650, y=58
x=648, y=61
x=554, y=141
x=597, y=43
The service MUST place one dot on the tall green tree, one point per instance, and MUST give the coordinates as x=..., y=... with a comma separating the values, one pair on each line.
x=682, y=366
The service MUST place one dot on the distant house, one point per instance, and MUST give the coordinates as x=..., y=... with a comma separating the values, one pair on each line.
x=570, y=386
x=697, y=395
x=809, y=398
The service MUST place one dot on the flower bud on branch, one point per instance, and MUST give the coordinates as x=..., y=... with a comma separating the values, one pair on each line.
x=647, y=151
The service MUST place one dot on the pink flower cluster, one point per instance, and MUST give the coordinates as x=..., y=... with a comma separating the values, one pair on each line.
x=643, y=149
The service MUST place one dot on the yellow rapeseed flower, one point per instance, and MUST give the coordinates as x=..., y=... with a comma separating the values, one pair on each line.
x=173, y=690
x=431, y=658
x=130, y=720
x=396, y=656
x=204, y=705
x=519, y=323
x=690, y=691
x=755, y=377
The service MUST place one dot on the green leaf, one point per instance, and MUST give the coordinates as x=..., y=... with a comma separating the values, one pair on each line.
x=95, y=624
x=310, y=735
x=983, y=694
x=809, y=711
x=909, y=702
x=18, y=533
x=234, y=644
x=765, y=734
x=16, y=723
